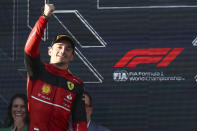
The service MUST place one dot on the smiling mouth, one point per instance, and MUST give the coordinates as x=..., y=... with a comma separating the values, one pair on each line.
x=19, y=114
x=61, y=56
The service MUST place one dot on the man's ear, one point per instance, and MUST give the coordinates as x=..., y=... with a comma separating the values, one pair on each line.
x=49, y=51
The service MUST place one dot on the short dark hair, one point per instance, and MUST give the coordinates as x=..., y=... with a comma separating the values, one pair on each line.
x=9, y=120
x=90, y=97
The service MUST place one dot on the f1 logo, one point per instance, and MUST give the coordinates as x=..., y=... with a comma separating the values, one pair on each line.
x=162, y=56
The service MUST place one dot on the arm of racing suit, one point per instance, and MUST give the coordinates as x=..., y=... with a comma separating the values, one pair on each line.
x=79, y=113
x=31, y=56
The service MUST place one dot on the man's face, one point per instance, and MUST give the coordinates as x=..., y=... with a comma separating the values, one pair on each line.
x=18, y=109
x=89, y=108
x=61, y=53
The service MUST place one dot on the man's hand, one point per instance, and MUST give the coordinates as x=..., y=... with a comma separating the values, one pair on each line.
x=48, y=10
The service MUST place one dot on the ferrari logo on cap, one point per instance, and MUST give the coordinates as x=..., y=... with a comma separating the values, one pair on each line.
x=60, y=36
x=70, y=85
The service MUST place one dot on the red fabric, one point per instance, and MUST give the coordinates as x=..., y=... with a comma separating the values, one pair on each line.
x=79, y=126
x=53, y=94
x=33, y=41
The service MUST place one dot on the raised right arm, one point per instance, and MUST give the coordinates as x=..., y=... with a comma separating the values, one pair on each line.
x=33, y=41
x=31, y=56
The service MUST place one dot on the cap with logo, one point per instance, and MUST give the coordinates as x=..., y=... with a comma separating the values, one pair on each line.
x=63, y=37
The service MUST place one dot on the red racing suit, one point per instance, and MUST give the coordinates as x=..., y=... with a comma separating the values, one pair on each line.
x=53, y=94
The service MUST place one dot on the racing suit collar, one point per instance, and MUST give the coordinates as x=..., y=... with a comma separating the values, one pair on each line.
x=61, y=72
